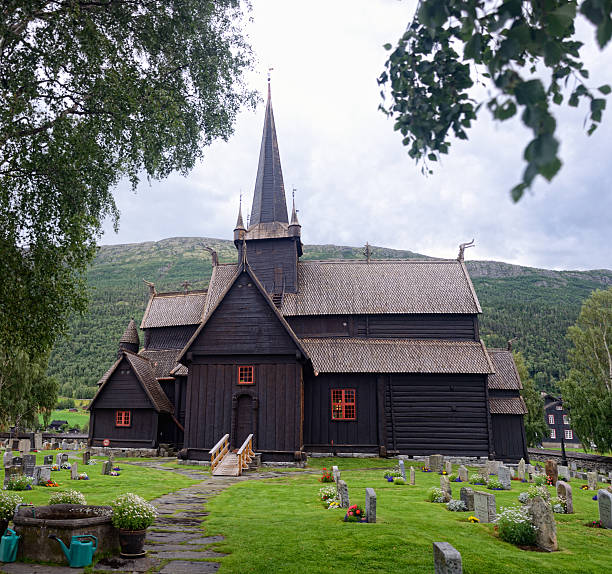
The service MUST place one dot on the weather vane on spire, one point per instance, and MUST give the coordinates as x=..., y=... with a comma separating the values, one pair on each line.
x=270, y=70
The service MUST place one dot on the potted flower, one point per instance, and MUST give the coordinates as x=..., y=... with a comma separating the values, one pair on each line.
x=8, y=503
x=355, y=514
x=132, y=515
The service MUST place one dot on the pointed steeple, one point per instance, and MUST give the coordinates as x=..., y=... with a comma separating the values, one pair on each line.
x=269, y=203
x=295, y=229
x=129, y=340
x=239, y=230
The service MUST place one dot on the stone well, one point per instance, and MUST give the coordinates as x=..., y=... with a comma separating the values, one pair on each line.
x=35, y=523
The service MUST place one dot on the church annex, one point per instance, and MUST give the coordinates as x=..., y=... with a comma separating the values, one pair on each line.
x=369, y=356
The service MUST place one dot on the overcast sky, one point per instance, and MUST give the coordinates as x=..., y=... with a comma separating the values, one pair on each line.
x=355, y=181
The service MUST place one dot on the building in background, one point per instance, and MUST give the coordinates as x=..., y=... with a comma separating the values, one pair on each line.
x=559, y=424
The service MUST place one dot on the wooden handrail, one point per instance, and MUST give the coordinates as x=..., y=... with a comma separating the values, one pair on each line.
x=245, y=453
x=218, y=452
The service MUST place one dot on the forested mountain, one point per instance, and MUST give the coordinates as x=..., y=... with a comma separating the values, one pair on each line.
x=534, y=305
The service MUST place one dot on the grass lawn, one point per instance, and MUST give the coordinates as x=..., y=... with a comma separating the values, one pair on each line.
x=79, y=418
x=280, y=525
x=146, y=482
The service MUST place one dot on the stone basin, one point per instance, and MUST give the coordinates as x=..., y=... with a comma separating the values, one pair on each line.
x=35, y=523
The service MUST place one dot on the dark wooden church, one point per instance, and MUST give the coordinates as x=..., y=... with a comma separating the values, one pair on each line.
x=356, y=356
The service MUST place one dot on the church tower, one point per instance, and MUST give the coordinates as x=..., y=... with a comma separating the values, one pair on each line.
x=273, y=244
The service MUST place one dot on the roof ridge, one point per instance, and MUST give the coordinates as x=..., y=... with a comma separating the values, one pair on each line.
x=373, y=261
x=181, y=293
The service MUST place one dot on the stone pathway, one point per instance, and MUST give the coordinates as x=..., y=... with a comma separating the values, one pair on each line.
x=177, y=541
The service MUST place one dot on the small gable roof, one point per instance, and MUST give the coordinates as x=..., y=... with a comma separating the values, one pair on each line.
x=377, y=287
x=162, y=361
x=144, y=374
x=174, y=309
x=507, y=406
x=506, y=376
x=237, y=271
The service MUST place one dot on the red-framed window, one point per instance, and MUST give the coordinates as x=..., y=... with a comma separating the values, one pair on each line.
x=246, y=375
x=553, y=433
x=123, y=418
x=569, y=435
x=343, y=404
x=551, y=419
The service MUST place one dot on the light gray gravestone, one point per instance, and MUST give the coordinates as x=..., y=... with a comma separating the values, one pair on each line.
x=86, y=457
x=463, y=474
x=563, y=472
x=370, y=505
x=7, y=458
x=484, y=506
x=492, y=466
x=466, y=495
x=530, y=470
x=604, y=501
x=38, y=441
x=24, y=446
x=543, y=519
x=446, y=487
x=336, y=474
x=58, y=459
x=592, y=480
x=436, y=462
x=565, y=490
x=48, y=459
x=45, y=474
x=36, y=475
x=412, y=476
x=447, y=559
x=448, y=467
x=343, y=493
x=74, y=471
x=520, y=469
x=106, y=467
x=503, y=473
x=29, y=462
x=402, y=468
x=573, y=466
x=64, y=445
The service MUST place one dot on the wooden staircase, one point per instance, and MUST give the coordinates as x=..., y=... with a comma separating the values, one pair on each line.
x=223, y=462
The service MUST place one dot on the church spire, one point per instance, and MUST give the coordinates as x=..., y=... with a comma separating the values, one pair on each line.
x=294, y=226
x=239, y=230
x=269, y=203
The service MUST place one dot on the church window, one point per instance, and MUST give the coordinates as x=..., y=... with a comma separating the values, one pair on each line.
x=123, y=419
x=343, y=405
x=551, y=419
x=246, y=375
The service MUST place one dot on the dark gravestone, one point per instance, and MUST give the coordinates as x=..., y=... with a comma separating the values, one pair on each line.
x=106, y=467
x=12, y=472
x=48, y=460
x=86, y=457
x=18, y=461
x=64, y=458
x=29, y=462
x=466, y=494
x=370, y=505
x=447, y=559
x=552, y=471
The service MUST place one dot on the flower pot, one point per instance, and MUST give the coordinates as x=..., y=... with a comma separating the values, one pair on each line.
x=132, y=543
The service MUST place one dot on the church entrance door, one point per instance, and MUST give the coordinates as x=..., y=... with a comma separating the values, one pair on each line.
x=244, y=419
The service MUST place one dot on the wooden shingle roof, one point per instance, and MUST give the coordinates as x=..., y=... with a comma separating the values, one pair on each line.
x=162, y=361
x=174, y=309
x=506, y=376
x=357, y=355
x=130, y=335
x=378, y=287
x=507, y=406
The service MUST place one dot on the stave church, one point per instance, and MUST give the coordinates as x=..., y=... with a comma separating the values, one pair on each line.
x=365, y=356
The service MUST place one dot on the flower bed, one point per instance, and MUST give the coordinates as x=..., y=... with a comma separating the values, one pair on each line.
x=19, y=483
x=326, y=476
x=355, y=514
x=514, y=526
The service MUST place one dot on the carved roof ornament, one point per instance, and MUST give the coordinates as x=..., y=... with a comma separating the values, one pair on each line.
x=151, y=287
x=462, y=249
x=367, y=251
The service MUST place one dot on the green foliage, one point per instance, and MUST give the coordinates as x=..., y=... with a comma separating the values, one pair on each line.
x=90, y=93
x=19, y=483
x=132, y=512
x=587, y=391
x=536, y=428
x=514, y=526
x=8, y=503
x=430, y=74
x=435, y=494
x=65, y=404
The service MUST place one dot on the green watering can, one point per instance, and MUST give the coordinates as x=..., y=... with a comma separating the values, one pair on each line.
x=81, y=549
x=8, y=546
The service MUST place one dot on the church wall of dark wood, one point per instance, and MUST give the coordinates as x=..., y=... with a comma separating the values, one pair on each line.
x=274, y=261
x=142, y=431
x=273, y=406
x=168, y=337
x=509, y=439
x=244, y=323
x=321, y=430
x=450, y=327
x=123, y=388
x=428, y=414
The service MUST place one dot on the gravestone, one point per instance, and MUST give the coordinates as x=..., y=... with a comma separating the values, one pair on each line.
x=18, y=461
x=573, y=466
x=29, y=462
x=402, y=468
x=58, y=459
x=466, y=495
x=343, y=493
x=370, y=505
x=463, y=474
x=563, y=472
x=12, y=472
x=64, y=445
x=15, y=445
x=448, y=467
x=7, y=458
x=106, y=467
x=74, y=471
x=604, y=501
x=48, y=459
x=54, y=445
x=36, y=475
x=484, y=506
x=520, y=469
x=436, y=462
x=503, y=473
x=412, y=476
x=45, y=474
x=552, y=471
x=64, y=458
x=446, y=487
x=86, y=457
x=335, y=473
x=565, y=490
x=38, y=441
x=543, y=519
x=447, y=559
x=530, y=470
x=492, y=466
x=24, y=446
x=592, y=480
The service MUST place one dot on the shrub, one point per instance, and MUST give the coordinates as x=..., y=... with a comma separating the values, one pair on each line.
x=435, y=494
x=515, y=527
x=67, y=497
x=399, y=480
x=131, y=512
x=540, y=491
x=523, y=497
x=456, y=506
x=559, y=504
x=478, y=479
x=495, y=484
x=8, y=503
x=20, y=483
x=327, y=493
x=393, y=473
x=453, y=477
x=539, y=480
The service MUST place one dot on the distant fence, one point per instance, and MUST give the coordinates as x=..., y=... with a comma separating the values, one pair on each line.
x=582, y=459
